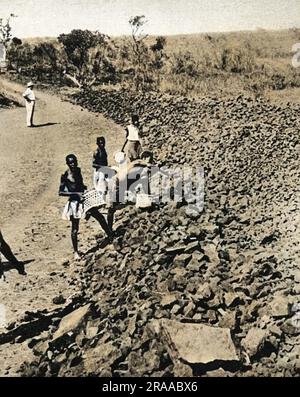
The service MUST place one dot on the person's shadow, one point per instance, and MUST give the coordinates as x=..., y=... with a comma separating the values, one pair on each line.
x=44, y=125
x=7, y=266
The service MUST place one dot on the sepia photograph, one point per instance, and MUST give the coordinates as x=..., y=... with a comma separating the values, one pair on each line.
x=149, y=191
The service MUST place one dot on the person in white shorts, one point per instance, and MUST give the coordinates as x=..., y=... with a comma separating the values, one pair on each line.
x=72, y=186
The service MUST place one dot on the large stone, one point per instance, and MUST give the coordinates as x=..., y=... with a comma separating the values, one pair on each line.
x=72, y=322
x=204, y=292
x=195, y=263
x=182, y=260
x=291, y=326
x=177, y=249
x=279, y=307
x=230, y=298
x=168, y=300
x=228, y=320
x=198, y=343
x=182, y=370
x=254, y=341
x=102, y=355
x=297, y=276
x=210, y=250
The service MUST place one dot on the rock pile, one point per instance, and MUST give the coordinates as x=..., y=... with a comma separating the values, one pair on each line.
x=6, y=102
x=228, y=274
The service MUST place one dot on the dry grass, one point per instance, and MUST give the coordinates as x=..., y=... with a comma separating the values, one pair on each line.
x=255, y=62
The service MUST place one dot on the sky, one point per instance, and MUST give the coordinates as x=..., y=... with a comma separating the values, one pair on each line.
x=37, y=18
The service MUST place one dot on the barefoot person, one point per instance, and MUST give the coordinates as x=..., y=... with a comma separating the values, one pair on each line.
x=7, y=252
x=72, y=186
x=133, y=139
x=30, y=104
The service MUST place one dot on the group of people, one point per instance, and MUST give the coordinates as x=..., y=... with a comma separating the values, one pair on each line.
x=106, y=182
x=104, y=177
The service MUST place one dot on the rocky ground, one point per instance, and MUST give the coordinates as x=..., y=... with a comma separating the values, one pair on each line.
x=187, y=294
x=6, y=102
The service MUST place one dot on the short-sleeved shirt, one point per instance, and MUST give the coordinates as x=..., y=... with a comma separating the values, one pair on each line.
x=29, y=94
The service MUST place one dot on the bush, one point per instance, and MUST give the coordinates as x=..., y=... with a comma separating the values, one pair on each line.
x=184, y=63
x=237, y=60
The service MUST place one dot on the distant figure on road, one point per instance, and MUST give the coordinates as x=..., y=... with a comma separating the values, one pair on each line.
x=133, y=139
x=7, y=252
x=30, y=103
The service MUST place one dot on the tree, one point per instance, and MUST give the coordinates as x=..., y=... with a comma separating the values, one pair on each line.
x=159, y=45
x=140, y=50
x=158, y=56
x=83, y=54
x=5, y=30
x=20, y=57
x=147, y=60
x=184, y=63
x=16, y=41
x=45, y=53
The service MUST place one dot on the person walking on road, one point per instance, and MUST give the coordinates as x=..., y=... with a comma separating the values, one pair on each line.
x=30, y=103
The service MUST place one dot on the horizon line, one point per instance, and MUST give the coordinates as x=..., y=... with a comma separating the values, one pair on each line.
x=258, y=29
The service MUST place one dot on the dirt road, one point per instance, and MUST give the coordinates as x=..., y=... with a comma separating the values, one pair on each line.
x=31, y=162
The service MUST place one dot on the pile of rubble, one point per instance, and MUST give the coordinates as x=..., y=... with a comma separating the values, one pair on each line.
x=186, y=294
x=6, y=102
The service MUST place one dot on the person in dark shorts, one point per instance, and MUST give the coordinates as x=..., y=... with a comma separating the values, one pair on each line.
x=133, y=139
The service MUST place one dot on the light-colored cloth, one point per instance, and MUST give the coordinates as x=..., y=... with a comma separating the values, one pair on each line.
x=99, y=181
x=133, y=133
x=134, y=150
x=29, y=93
x=72, y=209
x=29, y=112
